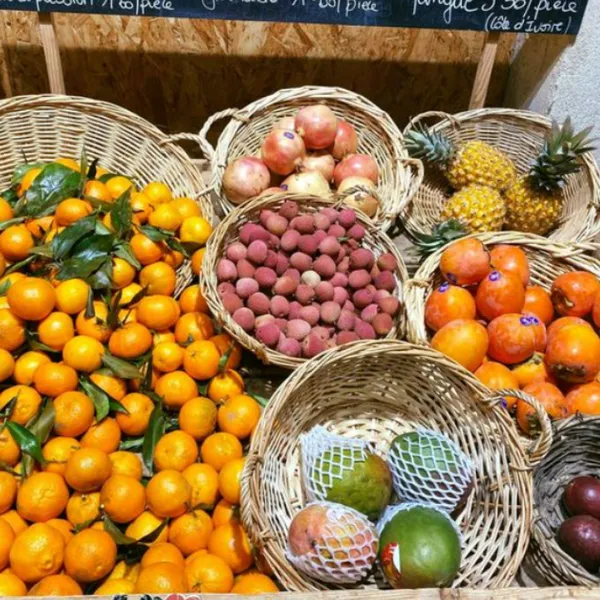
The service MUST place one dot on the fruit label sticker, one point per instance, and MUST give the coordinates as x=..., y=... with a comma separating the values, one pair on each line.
x=526, y=16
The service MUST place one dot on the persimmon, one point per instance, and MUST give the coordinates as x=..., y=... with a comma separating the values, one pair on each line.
x=512, y=338
x=584, y=399
x=498, y=377
x=549, y=396
x=498, y=294
x=465, y=262
x=532, y=370
x=539, y=303
x=557, y=325
x=511, y=259
x=464, y=340
x=446, y=304
x=573, y=354
x=573, y=293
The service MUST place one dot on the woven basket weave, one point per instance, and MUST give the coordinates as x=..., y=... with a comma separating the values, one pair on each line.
x=45, y=127
x=227, y=232
x=374, y=391
x=378, y=136
x=520, y=134
x=575, y=451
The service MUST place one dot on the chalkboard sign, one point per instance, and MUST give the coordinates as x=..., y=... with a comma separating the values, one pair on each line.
x=525, y=16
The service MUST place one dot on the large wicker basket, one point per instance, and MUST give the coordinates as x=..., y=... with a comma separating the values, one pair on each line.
x=575, y=451
x=378, y=136
x=227, y=232
x=44, y=127
x=520, y=134
x=374, y=391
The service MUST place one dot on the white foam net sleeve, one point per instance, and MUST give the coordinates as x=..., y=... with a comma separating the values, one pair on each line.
x=325, y=459
x=345, y=549
x=430, y=469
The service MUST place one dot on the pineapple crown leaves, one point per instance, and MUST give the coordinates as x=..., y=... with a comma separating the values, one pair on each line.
x=442, y=234
x=559, y=156
x=431, y=146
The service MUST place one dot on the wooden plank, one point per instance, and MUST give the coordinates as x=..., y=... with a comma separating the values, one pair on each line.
x=51, y=53
x=484, y=71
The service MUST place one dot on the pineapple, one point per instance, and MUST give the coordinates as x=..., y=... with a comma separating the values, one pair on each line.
x=534, y=201
x=472, y=162
x=477, y=207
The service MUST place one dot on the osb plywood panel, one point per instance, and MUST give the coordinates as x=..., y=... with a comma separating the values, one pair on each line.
x=176, y=72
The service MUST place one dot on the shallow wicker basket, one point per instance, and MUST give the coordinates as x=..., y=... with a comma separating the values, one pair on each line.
x=575, y=451
x=547, y=259
x=374, y=391
x=378, y=135
x=227, y=232
x=520, y=134
x=45, y=127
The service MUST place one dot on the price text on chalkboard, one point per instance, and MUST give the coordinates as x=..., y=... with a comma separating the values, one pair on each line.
x=525, y=16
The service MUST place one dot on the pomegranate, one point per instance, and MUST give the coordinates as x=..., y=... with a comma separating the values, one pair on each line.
x=307, y=182
x=282, y=151
x=245, y=178
x=317, y=125
x=345, y=140
x=319, y=161
x=285, y=123
x=357, y=165
x=361, y=198
x=271, y=190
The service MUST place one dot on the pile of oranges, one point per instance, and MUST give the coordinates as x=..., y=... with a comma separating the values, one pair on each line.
x=123, y=419
x=514, y=335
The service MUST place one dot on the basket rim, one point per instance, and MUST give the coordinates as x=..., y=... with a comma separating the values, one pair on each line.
x=232, y=222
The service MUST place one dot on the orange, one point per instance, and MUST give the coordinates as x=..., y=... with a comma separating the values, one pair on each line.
x=224, y=343
x=144, y=525
x=56, y=585
x=63, y=527
x=90, y=555
x=40, y=227
x=97, y=190
x=191, y=531
x=122, y=570
x=175, y=450
x=176, y=388
x=194, y=555
x=174, y=258
x=94, y=327
x=126, y=463
x=70, y=210
x=42, y=496
x=12, y=278
x=68, y=162
x=54, y=379
x=168, y=494
x=167, y=357
x=123, y=273
x=129, y=292
x=37, y=552
x=56, y=330
x=198, y=417
x=123, y=498
x=159, y=278
x=161, y=578
x=157, y=192
x=6, y=211
x=230, y=477
x=186, y=207
x=192, y=300
x=28, y=179
x=115, y=587
x=209, y=574
x=225, y=386
x=83, y=353
x=105, y=436
x=57, y=451
x=144, y=249
x=7, y=537
x=163, y=552
x=131, y=341
x=239, y=416
x=11, y=585
x=201, y=359
x=165, y=216
x=87, y=469
x=9, y=450
x=127, y=315
x=15, y=520
x=162, y=337
x=193, y=327
x=7, y=364
x=15, y=243
x=52, y=233
x=254, y=583
x=31, y=298
x=115, y=387
x=230, y=543
x=195, y=229
x=118, y=185
x=8, y=491
x=158, y=311
x=2, y=270
x=83, y=508
x=141, y=207
x=27, y=404
x=204, y=482
x=74, y=414
x=140, y=408
x=220, y=448
x=224, y=512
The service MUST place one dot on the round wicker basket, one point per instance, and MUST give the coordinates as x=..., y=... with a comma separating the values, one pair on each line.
x=44, y=127
x=378, y=135
x=227, y=232
x=575, y=451
x=520, y=134
x=374, y=391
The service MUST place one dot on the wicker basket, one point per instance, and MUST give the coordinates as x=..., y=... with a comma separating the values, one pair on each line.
x=378, y=136
x=547, y=260
x=44, y=127
x=520, y=134
x=227, y=232
x=575, y=451
x=376, y=390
